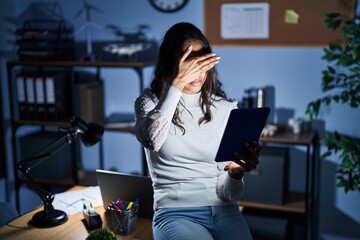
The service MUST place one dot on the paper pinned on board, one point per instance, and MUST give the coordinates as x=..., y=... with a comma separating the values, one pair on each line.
x=291, y=16
x=245, y=20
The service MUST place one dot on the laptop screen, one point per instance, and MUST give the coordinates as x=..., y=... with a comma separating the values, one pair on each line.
x=114, y=185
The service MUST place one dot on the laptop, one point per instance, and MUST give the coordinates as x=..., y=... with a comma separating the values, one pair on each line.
x=114, y=185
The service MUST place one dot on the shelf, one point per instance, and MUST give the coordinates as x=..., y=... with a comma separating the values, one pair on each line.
x=107, y=127
x=130, y=64
x=119, y=128
x=294, y=203
x=67, y=65
x=42, y=123
x=287, y=137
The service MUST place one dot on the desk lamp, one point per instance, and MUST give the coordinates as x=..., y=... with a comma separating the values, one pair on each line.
x=90, y=134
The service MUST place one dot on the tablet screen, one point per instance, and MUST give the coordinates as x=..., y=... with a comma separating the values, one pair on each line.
x=244, y=125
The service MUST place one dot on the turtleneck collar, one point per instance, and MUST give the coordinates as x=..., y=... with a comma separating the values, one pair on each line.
x=191, y=100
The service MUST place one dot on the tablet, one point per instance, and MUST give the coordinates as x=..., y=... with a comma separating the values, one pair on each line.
x=244, y=125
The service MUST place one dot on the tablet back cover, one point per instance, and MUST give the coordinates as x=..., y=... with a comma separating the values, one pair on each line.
x=244, y=125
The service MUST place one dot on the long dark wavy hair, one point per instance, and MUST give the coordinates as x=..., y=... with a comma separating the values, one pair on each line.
x=167, y=68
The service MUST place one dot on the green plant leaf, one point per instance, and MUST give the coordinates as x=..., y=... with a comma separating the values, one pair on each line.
x=327, y=100
x=326, y=154
x=332, y=15
x=356, y=53
x=354, y=103
x=334, y=47
x=341, y=79
x=331, y=70
x=344, y=96
x=101, y=234
x=336, y=98
x=355, y=70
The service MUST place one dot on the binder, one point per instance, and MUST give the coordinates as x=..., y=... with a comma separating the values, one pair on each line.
x=21, y=96
x=40, y=98
x=57, y=97
x=50, y=98
x=30, y=96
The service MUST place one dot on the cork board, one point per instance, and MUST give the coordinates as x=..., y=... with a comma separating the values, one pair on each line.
x=289, y=23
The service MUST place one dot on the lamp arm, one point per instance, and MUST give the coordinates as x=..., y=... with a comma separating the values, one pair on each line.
x=46, y=197
x=24, y=165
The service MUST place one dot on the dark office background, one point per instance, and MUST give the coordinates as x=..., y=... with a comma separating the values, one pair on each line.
x=294, y=73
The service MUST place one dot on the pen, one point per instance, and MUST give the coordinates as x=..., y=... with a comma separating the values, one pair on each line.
x=129, y=205
x=116, y=207
x=120, y=203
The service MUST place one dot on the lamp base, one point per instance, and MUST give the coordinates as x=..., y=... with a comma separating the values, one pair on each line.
x=54, y=218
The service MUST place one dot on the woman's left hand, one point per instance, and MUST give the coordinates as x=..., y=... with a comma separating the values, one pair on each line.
x=243, y=163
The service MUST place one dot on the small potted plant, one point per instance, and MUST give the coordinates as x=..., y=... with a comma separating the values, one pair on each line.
x=101, y=234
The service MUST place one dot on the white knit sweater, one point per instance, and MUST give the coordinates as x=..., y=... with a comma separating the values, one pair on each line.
x=182, y=167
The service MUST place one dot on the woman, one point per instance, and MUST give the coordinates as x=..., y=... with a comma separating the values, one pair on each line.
x=180, y=120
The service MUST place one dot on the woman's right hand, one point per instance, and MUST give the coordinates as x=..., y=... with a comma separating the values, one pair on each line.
x=192, y=69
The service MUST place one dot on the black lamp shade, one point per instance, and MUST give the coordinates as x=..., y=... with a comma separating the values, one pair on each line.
x=92, y=135
x=91, y=132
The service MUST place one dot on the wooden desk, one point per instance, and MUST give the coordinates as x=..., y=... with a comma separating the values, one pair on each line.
x=73, y=228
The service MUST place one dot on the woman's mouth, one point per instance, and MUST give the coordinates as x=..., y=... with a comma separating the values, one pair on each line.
x=196, y=83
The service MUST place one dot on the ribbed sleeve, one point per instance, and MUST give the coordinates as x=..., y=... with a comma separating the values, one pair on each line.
x=228, y=188
x=153, y=117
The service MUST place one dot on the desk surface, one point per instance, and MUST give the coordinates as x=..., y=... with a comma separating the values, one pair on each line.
x=73, y=228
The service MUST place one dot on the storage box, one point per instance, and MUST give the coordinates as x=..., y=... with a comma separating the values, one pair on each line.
x=123, y=221
x=268, y=183
x=91, y=100
x=90, y=92
x=266, y=227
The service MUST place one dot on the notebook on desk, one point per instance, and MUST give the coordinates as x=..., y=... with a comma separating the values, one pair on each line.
x=114, y=185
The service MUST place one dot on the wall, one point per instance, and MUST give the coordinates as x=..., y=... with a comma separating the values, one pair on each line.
x=295, y=74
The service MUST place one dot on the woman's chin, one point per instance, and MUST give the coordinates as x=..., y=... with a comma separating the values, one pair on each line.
x=192, y=90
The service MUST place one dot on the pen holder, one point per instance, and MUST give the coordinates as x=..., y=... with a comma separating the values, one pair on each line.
x=123, y=221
